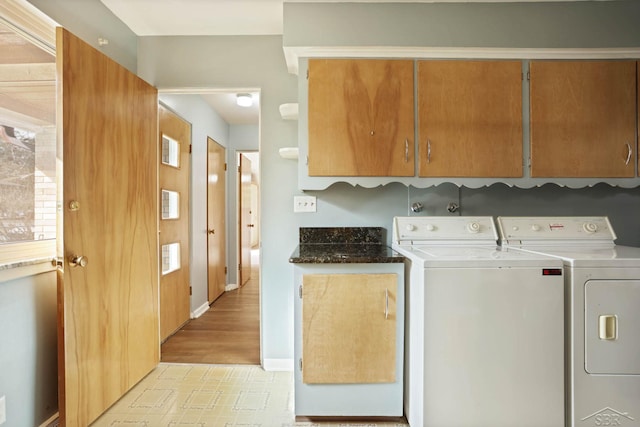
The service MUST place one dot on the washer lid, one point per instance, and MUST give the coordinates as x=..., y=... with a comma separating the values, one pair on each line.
x=478, y=256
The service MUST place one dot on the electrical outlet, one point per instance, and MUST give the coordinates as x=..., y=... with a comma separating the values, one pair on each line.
x=3, y=410
x=304, y=203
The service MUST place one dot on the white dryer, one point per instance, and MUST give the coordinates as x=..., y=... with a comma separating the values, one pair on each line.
x=602, y=313
x=484, y=327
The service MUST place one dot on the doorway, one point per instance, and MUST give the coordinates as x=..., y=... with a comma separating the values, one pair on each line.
x=225, y=324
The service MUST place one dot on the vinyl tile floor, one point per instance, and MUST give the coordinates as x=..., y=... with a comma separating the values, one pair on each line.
x=180, y=395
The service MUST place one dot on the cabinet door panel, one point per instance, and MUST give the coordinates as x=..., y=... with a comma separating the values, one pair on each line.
x=470, y=118
x=361, y=118
x=349, y=328
x=583, y=118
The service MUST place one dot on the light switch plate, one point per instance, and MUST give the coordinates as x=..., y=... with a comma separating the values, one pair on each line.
x=304, y=203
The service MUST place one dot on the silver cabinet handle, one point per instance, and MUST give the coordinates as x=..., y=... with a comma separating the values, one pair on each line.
x=428, y=151
x=406, y=150
x=386, y=304
x=629, y=151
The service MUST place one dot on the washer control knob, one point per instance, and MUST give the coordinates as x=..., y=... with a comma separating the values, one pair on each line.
x=410, y=227
x=473, y=227
x=430, y=227
x=535, y=227
x=590, y=227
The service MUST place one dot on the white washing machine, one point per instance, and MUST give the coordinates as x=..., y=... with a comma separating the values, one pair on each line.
x=485, y=336
x=602, y=313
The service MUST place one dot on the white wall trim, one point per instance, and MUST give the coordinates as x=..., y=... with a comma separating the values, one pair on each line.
x=200, y=310
x=293, y=53
x=278, y=365
x=230, y=287
x=50, y=420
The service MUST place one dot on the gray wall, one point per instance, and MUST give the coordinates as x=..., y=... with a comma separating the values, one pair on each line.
x=28, y=349
x=204, y=123
x=573, y=24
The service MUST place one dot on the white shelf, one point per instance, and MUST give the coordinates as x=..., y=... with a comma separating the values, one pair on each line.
x=289, y=111
x=289, y=153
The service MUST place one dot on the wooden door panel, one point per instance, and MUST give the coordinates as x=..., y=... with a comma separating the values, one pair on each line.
x=361, y=117
x=216, y=224
x=583, y=116
x=174, y=286
x=346, y=336
x=470, y=118
x=108, y=310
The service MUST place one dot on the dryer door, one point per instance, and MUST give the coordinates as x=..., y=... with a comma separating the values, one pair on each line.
x=612, y=316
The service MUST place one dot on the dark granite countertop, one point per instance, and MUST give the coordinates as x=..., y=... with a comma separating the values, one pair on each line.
x=328, y=245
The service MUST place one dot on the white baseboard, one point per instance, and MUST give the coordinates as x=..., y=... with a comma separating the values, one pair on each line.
x=231, y=287
x=53, y=418
x=278, y=364
x=200, y=310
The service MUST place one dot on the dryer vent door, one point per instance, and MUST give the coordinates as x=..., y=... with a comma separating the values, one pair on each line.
x=612, y=316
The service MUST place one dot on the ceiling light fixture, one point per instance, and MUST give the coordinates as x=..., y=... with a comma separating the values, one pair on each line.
x=244, y=99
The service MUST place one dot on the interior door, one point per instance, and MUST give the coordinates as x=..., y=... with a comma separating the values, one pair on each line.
x=175, y=142
x=216, y=208
x=108, y=283
x=245, y=219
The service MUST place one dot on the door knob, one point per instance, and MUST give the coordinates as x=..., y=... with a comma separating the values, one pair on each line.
x=78, y=261
x=211, y=231
x=250, y=225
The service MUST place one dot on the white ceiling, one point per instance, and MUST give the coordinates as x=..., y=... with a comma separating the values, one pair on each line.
x=223, y=17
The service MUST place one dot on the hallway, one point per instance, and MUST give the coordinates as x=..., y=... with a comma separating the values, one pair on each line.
x=228, y=333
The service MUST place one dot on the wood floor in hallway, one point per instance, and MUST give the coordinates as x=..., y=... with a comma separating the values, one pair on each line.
x=228, y=333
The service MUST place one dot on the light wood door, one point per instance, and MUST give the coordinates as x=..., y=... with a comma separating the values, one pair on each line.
x=174, y=142
x=108, y=336
x=349, y=328
x=470, y=118
x=361, y=117
x=583, y=118
x=245, y=219
x=216, y=224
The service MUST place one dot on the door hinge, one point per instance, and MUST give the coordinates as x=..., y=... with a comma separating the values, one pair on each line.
x=190, y=148
x=225, y=269
x=528, y=75
x=239, y=267
x=300, y=291
x=190, y=290
x=225, y=167
x=307, y=74
x=300, y=364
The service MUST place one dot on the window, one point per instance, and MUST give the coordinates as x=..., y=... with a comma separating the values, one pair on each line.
x=28, y=197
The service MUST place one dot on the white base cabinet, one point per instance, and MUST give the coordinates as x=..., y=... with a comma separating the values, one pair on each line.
x=349, y=339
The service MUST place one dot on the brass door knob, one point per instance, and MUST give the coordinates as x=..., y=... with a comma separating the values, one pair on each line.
x=78, y=261
x=211, y=231
x=250, y=225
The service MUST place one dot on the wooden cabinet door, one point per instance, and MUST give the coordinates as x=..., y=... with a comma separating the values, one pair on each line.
x=583, y=118
x=361, y=117
x=108, y=335
x=470, y=118
x=349, y=328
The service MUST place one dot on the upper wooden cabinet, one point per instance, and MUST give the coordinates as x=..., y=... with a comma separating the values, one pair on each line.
x=361, y=118
x=470, y=118
x=583, y=118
